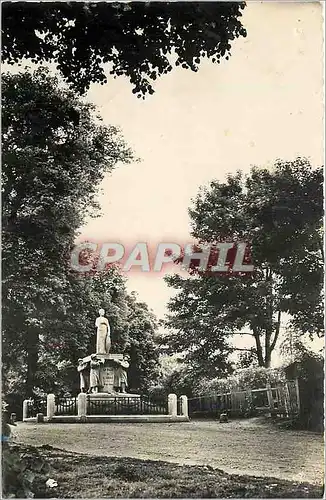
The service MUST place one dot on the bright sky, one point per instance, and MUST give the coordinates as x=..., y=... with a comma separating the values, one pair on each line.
x=264, y=103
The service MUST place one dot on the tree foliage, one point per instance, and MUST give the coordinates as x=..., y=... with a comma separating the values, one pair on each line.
x=135, y=38
x=279, y=212
x=55, y=153
x=195, y=330
x=141, y=344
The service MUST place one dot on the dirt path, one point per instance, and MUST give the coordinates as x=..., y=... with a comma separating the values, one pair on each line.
x=241, y=447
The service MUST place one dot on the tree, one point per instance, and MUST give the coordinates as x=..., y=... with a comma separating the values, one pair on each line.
x=195, y=333
x=135, y=39
x=141, y=344
x=246, y=359
x=280, y=213
x=55, y=153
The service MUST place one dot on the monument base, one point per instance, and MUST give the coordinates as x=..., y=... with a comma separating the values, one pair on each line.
x=107, y=371
x=110, y=395
x=73, y=419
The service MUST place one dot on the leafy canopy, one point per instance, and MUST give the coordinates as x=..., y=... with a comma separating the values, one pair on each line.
x=279, y=212
x=136, y=39
x=55, y=152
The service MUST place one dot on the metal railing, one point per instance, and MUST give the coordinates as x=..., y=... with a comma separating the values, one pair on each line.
x=126, y=406
x=66, y=406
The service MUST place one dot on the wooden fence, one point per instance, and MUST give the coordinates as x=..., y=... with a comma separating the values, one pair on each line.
x=283, y=400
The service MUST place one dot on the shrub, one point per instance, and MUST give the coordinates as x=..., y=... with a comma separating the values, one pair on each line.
x=241, y=380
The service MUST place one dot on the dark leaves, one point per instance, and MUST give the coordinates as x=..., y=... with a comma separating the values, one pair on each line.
x=280, y=213
x=135, y=39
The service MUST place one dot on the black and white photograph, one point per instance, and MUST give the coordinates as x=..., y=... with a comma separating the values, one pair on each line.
x=163, y=245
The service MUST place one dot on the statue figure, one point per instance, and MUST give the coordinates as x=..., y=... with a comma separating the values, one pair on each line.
x=95, y=381
x=120, y=382
x=84, y=380
x=103, y=339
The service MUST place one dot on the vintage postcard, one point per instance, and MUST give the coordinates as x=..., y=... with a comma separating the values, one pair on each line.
x=162, y=249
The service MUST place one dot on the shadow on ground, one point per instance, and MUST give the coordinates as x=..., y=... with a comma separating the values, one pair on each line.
x=84, y=476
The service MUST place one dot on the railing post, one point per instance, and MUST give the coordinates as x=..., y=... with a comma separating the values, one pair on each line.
x=184, y=406
x=82, y=404
x=50, y=406
x=287, y=399
x=25, y=409
x=173, y=404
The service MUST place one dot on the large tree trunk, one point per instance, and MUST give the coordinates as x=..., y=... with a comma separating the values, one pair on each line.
x=268, y=357
x=269, y=319
x=270, y=343
x=268, y=348
x=259, y=350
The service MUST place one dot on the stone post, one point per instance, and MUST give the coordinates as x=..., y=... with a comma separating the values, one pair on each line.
x=50, y=406
x=173, y=404
x=39, y=418
x=25, y=409
x=82, y=404
x=184, y=406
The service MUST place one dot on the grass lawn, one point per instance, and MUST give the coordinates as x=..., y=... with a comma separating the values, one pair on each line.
x=89, y=476
x=243, y=447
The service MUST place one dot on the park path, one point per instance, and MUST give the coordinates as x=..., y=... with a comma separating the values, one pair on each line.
x=241, y=447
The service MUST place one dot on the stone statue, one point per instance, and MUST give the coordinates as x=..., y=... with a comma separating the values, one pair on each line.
x=84, y=380
x=103, y=338
x=120, y=382
x=95, y=380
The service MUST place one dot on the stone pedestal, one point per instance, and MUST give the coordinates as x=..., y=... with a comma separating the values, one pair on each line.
x=107, y=370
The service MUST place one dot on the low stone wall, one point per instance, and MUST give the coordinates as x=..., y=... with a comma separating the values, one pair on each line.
x=114, y=419
x=176, y=411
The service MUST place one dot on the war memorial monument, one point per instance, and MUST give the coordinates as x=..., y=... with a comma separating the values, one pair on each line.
x=104, y=394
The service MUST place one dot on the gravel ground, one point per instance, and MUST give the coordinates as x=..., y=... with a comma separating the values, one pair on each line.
x=248, y=446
